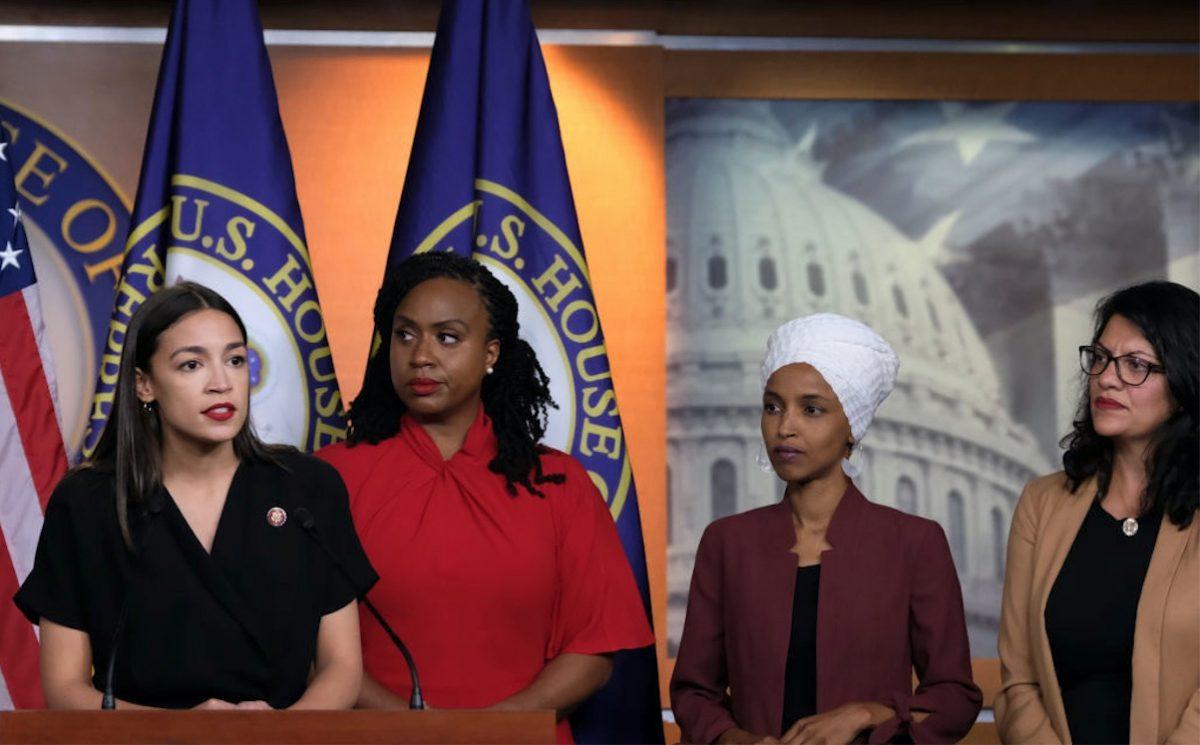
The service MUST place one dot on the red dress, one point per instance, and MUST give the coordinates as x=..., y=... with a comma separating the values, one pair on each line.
x=484, y=587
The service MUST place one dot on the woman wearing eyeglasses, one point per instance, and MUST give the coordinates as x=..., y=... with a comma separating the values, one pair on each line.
x=1100, y=626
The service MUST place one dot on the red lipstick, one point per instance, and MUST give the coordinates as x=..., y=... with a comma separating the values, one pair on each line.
x=1107, y=404
x=221, y=412
x=423, y=386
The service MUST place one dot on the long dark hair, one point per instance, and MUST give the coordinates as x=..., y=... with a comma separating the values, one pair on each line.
x=516, y=395
x=1168, y=315
x=131, y=444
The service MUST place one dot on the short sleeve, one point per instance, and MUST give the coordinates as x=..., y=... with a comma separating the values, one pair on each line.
x=337, y=530
x=598, y=608
x=53, y=588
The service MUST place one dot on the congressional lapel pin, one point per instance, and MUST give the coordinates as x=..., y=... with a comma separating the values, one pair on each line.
x=276, y=517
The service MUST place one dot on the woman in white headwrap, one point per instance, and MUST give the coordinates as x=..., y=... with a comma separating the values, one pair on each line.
x=807, y=618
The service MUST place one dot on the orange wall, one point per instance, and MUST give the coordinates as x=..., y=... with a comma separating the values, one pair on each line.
x=350, y=116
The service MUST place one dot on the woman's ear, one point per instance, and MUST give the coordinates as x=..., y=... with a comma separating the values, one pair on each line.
x=143, y=386
x=492, y=352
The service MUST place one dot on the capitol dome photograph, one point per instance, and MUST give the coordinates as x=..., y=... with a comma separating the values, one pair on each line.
x=782, y=209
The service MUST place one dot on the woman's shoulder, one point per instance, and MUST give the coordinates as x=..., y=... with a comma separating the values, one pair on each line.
x=295, y=460
x=349, y=457
x=307, y=479
x=1045, y=493
x=574, y=490
x=88, y=476
x=1046, y=487
x=738, y=537
x=352, y=452
x=300, y=467
x=84, y=486
x=85, y=496
x=904, y=523
x=751, y=523
x=556, y=461
x=899, y=517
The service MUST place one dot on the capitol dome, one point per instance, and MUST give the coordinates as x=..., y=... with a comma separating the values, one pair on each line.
x=754, y=238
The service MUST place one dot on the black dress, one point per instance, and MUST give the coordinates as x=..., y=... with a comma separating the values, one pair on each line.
x=239, y=624
x=1090, y=617
x=800, y=674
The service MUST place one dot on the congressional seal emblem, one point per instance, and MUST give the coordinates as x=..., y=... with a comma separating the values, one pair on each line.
x=76, y=218
x=226, y=240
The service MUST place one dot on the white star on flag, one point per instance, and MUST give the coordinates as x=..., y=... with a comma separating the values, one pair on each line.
x=15, y=211
x=971, y=129
x=2, y=155
x=9, y=257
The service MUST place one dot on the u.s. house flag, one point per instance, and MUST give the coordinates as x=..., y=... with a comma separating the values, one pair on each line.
x=487, y=178
x=216, y=204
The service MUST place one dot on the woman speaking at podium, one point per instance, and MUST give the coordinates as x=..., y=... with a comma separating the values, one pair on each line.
x=499, y=563
x=173, y=569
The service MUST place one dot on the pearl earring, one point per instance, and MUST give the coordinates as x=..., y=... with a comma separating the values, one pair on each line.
x=490, y=370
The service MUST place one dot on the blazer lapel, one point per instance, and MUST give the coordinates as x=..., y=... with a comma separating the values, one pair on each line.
x=779, y=583
x=1147, y=635
x=839, y=582
x=1061, y=530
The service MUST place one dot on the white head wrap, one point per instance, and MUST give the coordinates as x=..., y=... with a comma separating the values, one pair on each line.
x=855, y=361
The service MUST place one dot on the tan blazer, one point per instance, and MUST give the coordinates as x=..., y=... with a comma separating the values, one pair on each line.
x=1166, y=646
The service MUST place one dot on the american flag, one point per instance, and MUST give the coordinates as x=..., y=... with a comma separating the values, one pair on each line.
x=32, y=454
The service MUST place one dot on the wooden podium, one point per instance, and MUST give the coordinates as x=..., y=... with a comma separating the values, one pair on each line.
x=435, y=726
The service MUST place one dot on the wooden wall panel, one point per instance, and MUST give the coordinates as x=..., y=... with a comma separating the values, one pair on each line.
x=926, y=75
x=1079, y=20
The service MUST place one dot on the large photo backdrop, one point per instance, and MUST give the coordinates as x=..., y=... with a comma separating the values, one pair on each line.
x=975, y=237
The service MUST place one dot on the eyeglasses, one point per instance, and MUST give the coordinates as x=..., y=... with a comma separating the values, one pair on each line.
x=1130, y=369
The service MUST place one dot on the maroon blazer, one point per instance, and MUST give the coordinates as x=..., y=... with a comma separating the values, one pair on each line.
x=889, y=602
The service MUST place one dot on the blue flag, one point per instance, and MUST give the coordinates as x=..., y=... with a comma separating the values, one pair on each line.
x=487, y=177
x=216, y=204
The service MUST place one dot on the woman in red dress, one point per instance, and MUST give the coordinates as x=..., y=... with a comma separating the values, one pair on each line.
x=500, y=565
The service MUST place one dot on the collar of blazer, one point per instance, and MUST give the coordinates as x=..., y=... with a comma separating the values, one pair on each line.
x=842, y=526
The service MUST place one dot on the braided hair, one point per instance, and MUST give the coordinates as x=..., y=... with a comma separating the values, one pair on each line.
x=516, y=395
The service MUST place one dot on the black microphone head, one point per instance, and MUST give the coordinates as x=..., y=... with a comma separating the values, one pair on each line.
x=305, y=517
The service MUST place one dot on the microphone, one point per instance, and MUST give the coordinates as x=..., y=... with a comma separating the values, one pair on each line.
x=309, y=523
x=109, y=701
